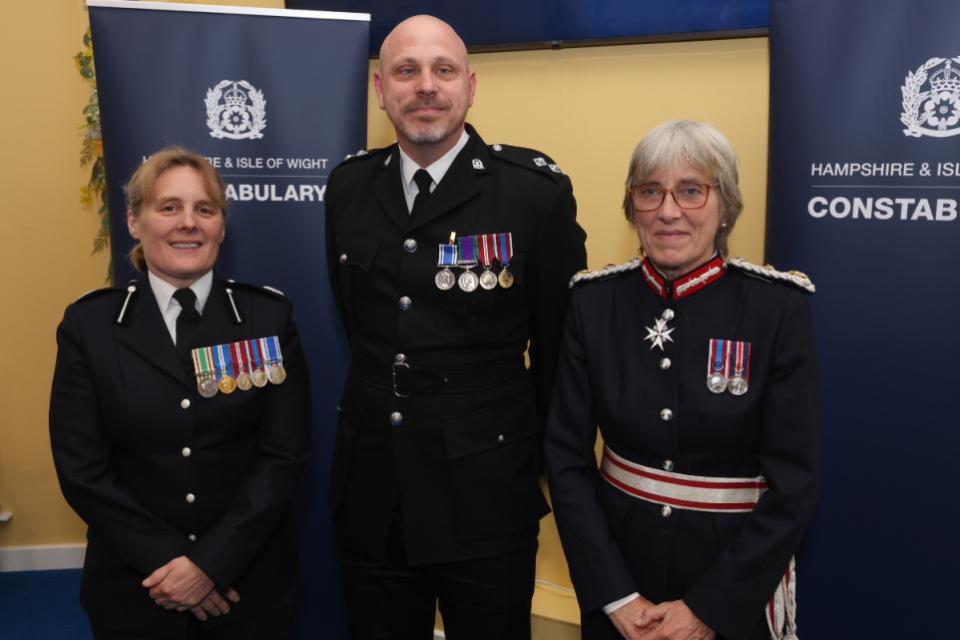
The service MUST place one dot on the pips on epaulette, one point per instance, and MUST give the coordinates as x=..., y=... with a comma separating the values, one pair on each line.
x=527, y=158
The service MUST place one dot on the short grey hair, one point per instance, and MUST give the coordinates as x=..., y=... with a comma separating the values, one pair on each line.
x=700, y=145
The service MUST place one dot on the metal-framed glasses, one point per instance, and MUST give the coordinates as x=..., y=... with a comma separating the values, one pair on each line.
x=688, y=195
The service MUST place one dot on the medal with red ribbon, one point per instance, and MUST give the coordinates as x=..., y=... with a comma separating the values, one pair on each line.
x=486, y=252
x=242, y=364
x=740, y=380
x=504, y=253
x=718, y=365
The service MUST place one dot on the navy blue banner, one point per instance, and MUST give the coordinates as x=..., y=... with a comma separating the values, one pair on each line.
x=536, y=22
x=864, y=187
x=275, y=99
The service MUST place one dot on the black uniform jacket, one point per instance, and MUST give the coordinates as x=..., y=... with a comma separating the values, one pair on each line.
x=461, y=457
x=725, y=566
x=132, y=437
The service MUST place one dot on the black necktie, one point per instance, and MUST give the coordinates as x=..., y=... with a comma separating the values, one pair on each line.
x=187, y=323
x=423, y=180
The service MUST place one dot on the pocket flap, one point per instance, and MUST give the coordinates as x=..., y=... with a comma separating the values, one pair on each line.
x=489, y=429
x=356, y=251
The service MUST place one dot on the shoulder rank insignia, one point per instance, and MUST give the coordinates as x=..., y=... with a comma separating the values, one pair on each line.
x=610, y=270
x=796, y=278
x=530, y=158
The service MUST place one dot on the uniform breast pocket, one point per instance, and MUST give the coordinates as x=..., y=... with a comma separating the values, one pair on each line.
x=494, y=460
x=356, y=256
x=494, y=306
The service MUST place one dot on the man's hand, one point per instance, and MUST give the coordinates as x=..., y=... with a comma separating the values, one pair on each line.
x=630, y=619
x=676, y=622
x=213, y=605
x=179, y=583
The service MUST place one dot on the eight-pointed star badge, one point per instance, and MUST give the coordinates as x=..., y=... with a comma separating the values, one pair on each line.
x=659, y=333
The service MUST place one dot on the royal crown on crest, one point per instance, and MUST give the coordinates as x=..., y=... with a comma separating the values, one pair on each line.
x=236, y=110
x=931, y=99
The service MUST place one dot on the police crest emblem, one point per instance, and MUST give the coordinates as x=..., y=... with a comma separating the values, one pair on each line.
x=236, y=110
x=931, y=99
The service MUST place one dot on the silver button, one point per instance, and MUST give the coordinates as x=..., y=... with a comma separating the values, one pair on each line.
x=192, y=537
x=665, y=511
x=400, y=358
x=396, y=418
x=343, y=258
x=185, y=403
x=667, y=314
x=668, y=465
x=500, y=438
x=666, y=415
x=185, y=452
x=405, y=303
x=665, y=363
x=191, y=498
x=410, y=245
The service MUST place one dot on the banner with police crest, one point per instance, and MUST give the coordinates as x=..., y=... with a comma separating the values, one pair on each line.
x=275, y=99
x=864, y=192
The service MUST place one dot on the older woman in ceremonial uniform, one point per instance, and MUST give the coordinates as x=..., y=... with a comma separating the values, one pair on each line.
x=700, y=372
x=179, y=423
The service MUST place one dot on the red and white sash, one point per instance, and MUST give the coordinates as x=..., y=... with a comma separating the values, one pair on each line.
x=703, y=493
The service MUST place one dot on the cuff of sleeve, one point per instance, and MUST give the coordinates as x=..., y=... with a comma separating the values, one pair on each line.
x=616, y=604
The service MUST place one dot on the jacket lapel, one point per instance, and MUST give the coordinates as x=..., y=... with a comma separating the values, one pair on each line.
x=463, y=181
x=147, y=334
x=388, y=188
x=217, y=324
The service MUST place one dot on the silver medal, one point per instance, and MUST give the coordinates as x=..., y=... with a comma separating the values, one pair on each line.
x=488, y=280
x=468, y=281
x=445, y=279
x=716, y=383
x=737, y=385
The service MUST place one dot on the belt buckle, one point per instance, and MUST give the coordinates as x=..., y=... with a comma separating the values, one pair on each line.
x=394, y=372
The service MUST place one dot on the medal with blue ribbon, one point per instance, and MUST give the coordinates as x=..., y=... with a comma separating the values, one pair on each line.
x=718, y=365
x=224, y=363
x=446, y=258
x=259, y=373
x=504, y=251
x=275, y=371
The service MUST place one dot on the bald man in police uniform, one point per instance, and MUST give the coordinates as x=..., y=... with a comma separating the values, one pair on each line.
x=435, y=492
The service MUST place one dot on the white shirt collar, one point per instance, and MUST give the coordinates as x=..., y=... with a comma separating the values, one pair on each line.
x=437, y=169
x=169, y=307
x=163, y=291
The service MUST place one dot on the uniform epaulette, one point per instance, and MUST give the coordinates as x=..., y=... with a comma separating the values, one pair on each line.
x=96, y=293
x=364, y=153
x=272, y=291
x=529, y=158
x=767, y=272
x=606, y=272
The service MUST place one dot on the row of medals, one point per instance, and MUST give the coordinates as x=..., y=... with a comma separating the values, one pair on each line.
x=208, y=386
x=735, y=384
x=273, y=372
x=469, y=281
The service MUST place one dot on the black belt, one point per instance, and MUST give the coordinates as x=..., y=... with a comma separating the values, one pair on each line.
x=406, y=378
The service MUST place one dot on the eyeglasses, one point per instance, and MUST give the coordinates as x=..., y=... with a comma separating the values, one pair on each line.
x=688, y=195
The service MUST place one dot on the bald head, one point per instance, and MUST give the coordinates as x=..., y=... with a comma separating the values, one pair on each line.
x=422, y=31
x=425, y=85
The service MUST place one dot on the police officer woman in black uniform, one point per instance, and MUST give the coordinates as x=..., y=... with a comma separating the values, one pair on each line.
x=700, y=372
x=182, y=462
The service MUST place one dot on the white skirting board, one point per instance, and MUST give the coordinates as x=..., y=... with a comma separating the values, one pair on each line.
x=42, y=557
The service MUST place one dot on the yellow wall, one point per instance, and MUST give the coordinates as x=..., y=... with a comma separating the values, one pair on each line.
x=584, y=107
